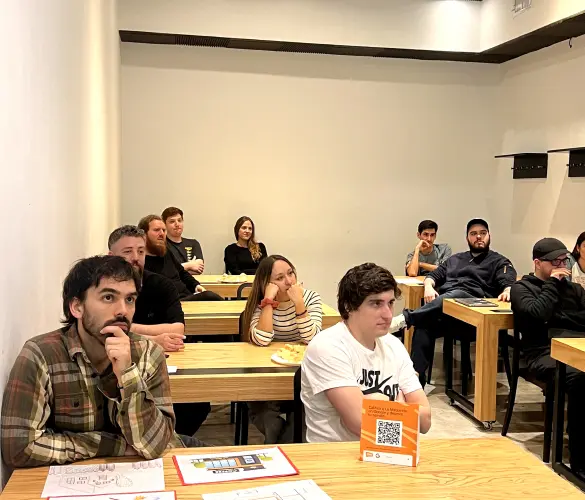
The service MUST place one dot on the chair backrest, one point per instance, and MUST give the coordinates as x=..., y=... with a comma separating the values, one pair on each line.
x=298, y=409
x=243, y=291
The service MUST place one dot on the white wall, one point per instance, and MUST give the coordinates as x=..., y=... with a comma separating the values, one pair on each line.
x=454, y=25
x=58, y=155
x=420, y=24
x=542, y=108
x=499, y=24
x=336, y=159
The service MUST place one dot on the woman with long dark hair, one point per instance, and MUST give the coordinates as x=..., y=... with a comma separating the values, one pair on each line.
x=244, y=256
x=577, y=261
x=278, y=309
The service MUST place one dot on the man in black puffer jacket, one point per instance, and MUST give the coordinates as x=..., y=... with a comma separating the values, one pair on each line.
x=546, y=304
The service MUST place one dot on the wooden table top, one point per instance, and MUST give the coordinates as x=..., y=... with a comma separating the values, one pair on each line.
x=488, y=468
x=231, y=371
x=231, y=308
x=570, y=352
x=472, y=315
x=224, y=355
x=222, y=279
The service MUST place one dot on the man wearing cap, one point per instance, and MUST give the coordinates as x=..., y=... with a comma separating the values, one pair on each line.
x=479, y=272
x=546, y=304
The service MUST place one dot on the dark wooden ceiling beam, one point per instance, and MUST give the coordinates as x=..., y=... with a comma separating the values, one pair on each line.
x=531, y=42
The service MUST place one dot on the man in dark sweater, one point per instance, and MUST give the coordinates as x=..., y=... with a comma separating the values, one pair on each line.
x=186, y=250
x=546, y=304
x=158, y=315
x=160, y=261
x=480, y=272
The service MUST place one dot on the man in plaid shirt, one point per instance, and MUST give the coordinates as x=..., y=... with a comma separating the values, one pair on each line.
x=91, y=388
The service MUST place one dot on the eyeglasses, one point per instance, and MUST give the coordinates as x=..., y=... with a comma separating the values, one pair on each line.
x=558, y=262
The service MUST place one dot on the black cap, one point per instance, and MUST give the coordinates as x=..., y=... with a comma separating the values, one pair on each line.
x=549, y=249
x=473, y=222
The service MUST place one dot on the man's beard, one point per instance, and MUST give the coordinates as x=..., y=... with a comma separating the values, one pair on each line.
x=94, y=328
x=155, y=248
x=479, y=250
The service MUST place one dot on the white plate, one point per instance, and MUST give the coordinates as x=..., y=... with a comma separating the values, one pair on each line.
x=277, y=359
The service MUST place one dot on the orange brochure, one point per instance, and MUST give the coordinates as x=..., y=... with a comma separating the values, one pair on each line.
x=390, y=432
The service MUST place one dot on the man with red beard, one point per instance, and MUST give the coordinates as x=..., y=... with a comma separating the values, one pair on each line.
x=91, y=388
x=159, y=260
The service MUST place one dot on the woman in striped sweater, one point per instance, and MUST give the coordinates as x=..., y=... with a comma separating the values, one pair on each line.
x=278, y=309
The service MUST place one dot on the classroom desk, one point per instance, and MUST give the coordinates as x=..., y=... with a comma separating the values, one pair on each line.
x=413, y=295
x=488, y=324
x=478, y=469
x=566, y=352
x=222, y=317
x=213, y=283
x=232, y=371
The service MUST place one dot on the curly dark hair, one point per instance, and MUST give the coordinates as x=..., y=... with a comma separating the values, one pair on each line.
x=361, y=282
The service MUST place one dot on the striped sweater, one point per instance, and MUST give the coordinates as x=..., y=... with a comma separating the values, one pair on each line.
x=286, y=326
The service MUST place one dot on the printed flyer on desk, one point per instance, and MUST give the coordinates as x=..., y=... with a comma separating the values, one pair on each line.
x=233, y=466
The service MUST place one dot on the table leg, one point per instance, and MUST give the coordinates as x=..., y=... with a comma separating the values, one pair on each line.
x=412, y=300
x=559, y=414
x=486, y=370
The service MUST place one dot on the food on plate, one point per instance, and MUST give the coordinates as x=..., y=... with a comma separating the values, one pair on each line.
x=292, y=353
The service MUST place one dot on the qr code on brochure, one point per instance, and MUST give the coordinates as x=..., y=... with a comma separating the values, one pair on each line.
x=388, y=433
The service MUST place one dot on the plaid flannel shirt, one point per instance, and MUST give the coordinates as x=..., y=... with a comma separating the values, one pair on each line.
x=53, y=406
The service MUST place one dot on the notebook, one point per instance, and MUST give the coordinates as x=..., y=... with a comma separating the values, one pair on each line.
x=474, y=302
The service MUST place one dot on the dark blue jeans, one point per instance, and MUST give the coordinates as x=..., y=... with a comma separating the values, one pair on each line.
x=429, y=324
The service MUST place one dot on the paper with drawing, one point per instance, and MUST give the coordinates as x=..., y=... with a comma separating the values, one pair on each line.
x=151, y=495
x=295, y=490
x=95, y=479
x=233, y=466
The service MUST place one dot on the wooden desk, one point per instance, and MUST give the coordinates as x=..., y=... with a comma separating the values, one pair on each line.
x=478, y=469
x=233, y=371
x=212, y=282
x=222, y=317
x=488, y=325
x=569, y=352
x=566, y=352
x=413, y=296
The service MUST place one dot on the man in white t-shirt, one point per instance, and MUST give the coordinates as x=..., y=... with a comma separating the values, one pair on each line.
x=357, y=359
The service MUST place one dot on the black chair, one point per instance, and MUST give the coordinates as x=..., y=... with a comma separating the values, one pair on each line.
x=466, y=367
x=519, y=369
x=298, y=410
x=240, y=291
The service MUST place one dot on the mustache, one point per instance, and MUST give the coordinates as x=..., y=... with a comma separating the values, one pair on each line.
x=118, y=319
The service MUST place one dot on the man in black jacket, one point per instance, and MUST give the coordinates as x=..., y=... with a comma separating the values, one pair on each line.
x=546, y=304
x=480, y=272
x=161, y=261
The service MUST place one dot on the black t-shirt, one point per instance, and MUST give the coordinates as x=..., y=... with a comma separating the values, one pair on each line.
x=158, y=301
x=239, y=260
x=185, y=251
x=170, y=268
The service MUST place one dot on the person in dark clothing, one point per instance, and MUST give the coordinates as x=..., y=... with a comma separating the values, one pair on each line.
x=547, y=304
x=480, y=272
x=244, y=256
x=158, y=315
x=160, y=261
x=186, y=250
